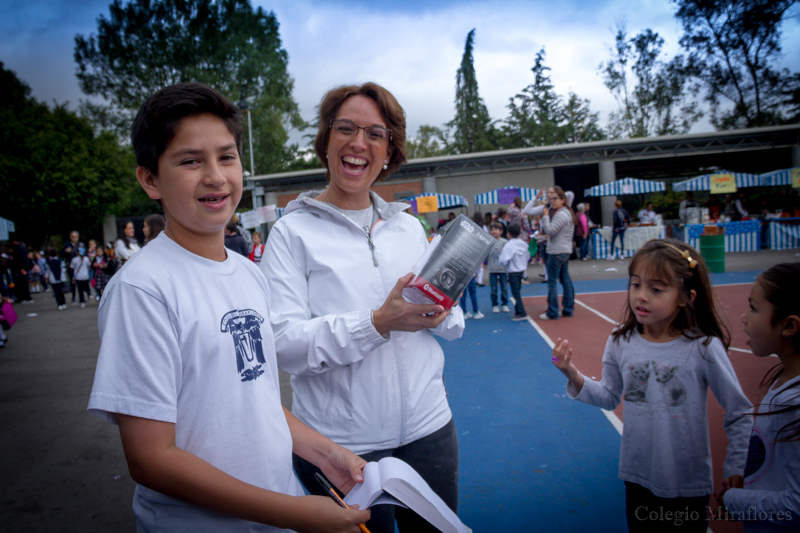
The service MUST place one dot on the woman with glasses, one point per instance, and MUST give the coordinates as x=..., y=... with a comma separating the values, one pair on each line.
x=365, y=368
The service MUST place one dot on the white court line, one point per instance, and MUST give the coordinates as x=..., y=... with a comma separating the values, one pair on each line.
x=595, y=311
x=612, y=417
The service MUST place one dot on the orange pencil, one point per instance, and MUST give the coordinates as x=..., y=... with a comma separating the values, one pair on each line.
x=335, y=495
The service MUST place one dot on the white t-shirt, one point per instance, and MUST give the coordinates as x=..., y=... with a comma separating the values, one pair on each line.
x=80, y=267
x=188, y=340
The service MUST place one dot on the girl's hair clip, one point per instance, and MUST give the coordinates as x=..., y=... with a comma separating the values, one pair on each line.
x=685, y=254
x=692, y=261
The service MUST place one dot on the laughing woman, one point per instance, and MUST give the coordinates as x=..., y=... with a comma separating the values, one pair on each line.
x=365, y=368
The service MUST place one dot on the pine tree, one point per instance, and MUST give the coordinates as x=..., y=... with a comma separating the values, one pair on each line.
x=472, y=127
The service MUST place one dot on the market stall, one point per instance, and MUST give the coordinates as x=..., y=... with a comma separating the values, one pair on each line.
x=635, y=236
x=625, y=186
x=505, y=195
x=441, y=201
x=783, y=233
x=704, y=182
x=742, y=236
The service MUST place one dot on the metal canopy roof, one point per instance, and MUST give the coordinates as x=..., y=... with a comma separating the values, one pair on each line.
x=563, y=155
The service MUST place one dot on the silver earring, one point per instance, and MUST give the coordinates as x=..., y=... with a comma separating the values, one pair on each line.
x=385, y=166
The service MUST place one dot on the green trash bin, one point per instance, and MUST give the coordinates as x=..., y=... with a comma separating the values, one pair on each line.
x=712, y=249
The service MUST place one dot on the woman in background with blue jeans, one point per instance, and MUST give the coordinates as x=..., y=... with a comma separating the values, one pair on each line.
x=558, y=223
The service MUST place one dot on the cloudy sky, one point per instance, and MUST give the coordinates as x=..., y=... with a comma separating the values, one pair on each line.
x=411, y=47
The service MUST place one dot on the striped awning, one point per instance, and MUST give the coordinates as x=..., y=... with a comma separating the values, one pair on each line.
x=778, y=177
x=444, y=201
x=506, y=195
x=625, y=186
x=703, y=183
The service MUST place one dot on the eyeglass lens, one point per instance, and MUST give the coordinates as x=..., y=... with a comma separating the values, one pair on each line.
x=349, y=129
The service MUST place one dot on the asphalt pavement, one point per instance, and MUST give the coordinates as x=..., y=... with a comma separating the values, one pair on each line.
x=61, y=468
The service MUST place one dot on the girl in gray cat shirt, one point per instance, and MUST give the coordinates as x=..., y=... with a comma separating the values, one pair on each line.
x=669, y=350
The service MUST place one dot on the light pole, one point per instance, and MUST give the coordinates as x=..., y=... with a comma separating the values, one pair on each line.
x=244, y=107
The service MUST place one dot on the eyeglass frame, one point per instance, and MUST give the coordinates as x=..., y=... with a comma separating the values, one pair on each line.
x=365, y=128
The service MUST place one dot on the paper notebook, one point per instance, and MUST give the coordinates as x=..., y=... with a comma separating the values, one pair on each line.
x=392, y=481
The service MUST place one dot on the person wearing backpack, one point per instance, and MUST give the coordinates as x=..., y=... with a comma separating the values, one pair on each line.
x=56, y=273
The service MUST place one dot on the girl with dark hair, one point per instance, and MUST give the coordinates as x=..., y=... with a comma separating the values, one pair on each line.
x=126, y=245
x=770, y=499
x=153, y=225
x=670, y=348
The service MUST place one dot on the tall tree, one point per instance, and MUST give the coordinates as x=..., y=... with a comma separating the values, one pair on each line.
x=535, y=114
x=145, y=45
x=429, y=142
x=472, y=127
x=56, y=173
x=538, y=116
x=581, y=125
x=653, y=97
x=735, y=44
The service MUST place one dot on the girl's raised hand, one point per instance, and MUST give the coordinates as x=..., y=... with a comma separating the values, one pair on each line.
x=562, y=359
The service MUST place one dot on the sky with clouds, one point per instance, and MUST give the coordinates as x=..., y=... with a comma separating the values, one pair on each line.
x=413, y=47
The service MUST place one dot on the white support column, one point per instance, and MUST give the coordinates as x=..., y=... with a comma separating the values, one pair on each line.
x=429, y=185
x=608, y=174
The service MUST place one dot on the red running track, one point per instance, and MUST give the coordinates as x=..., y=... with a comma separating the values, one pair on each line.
x=588, y=331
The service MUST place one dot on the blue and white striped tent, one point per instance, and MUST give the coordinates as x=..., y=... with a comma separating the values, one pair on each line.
x=625, y=186
x=777, y=177
x=499, y=196
x=445, y=201
x=703, y=183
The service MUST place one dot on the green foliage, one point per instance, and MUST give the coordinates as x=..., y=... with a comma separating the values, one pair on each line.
x=429, y=142
x=56, y=174
x=538, y=116
x=734, y=44
x=145, y=45
x=472, y=126
x=652, y=96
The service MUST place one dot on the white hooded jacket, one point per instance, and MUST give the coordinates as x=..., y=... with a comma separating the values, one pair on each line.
x=325, y=275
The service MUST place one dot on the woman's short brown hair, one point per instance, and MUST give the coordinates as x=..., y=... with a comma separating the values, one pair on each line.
x=391, y=111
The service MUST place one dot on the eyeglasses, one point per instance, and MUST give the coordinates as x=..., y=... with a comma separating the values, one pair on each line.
x=346, y=128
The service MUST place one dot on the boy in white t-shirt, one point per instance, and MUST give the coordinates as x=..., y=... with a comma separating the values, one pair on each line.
x=187, y=363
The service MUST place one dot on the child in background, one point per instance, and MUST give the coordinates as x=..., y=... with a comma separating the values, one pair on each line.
x=81, y=273
x=258, y=248
x=470, y=289
x=514, y=258
x=669, y=350
x=497, y=272
x=770, y=499
x=56, y=272
x=99, y=279
x=195, y=392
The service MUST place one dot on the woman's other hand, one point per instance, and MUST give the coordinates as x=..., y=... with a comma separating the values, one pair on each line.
x=396, y=314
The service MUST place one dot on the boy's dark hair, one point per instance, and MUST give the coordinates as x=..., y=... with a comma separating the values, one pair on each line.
x=157, y=121
x=513, y=230
x=496, y=225
x=231, y=226
x=52, y=252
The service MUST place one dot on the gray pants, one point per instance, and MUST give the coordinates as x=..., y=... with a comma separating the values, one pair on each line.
x=434, y=457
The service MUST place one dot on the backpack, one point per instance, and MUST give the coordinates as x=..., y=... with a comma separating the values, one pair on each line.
x=579, y=228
